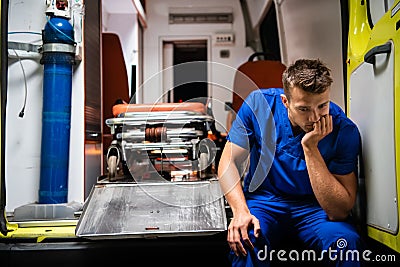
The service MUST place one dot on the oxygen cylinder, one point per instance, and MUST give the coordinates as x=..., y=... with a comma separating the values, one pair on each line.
x=58, y=58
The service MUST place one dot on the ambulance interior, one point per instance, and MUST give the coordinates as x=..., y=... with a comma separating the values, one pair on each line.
x=148, y=91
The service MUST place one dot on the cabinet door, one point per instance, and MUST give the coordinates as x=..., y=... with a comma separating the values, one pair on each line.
x=373, y=104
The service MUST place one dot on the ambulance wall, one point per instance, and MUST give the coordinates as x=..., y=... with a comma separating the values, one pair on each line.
x=23, y=135
x=159, y=30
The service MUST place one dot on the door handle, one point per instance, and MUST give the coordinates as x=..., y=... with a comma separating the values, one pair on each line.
x=380, y=49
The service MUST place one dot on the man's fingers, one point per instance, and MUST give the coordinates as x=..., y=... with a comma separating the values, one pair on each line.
x=235, y=242
x=257, y=229
x=330, y=123
x=246, y=241
x=326, y=124
x=323, y=125
x=238, y=236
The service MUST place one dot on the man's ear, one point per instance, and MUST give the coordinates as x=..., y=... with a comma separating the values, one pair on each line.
x=285, y=101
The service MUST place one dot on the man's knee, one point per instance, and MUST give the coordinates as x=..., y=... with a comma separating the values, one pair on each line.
x=346, y=238
x=259, y=256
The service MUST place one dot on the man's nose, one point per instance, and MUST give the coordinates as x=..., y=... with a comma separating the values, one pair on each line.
x=314, y=116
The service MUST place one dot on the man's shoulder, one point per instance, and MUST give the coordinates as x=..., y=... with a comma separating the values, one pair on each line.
x=264, y=98
x=268, y=93
x=340, y=116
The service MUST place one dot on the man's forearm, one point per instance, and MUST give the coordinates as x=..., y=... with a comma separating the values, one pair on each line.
x=229, y=178
x=230, y=183
x=330, y=193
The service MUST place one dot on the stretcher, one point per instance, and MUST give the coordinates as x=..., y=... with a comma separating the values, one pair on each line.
x=160, y=141
x=161, y=177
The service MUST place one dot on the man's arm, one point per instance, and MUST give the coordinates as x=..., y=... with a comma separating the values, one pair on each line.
x=230, y=179
x=335, y=193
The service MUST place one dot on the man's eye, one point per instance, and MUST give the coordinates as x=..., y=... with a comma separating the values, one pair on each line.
x=323, y=105
x=303, y=109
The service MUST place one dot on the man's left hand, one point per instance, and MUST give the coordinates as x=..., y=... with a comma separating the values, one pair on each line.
x=322, y=128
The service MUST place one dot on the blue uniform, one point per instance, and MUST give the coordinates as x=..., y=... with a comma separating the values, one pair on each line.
x=277, y=186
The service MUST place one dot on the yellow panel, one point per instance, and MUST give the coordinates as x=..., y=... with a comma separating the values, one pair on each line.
x=359, y=30
x=40, y=233
x=361, y=40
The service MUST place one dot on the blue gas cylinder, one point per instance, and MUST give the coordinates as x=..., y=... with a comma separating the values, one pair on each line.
x=58, y=59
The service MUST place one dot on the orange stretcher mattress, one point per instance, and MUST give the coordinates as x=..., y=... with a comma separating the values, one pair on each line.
x=185, y=106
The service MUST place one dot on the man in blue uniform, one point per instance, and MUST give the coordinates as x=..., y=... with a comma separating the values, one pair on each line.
x=301, y=181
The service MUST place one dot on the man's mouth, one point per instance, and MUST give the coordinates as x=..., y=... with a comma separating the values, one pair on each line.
x=309, y=127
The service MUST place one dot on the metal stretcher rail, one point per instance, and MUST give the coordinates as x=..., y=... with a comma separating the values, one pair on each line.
x=152, y=146
x=158, y=113
x=161, y=118
x=140, y=136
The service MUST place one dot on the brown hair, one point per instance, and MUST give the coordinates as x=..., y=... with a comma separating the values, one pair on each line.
x=310, y=75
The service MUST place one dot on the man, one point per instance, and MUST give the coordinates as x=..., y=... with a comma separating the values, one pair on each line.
x=301, y=180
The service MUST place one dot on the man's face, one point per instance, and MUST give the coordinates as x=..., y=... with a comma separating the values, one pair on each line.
x=304, y=108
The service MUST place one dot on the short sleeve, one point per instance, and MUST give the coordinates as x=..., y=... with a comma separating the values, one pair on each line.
x=347, y=151
x=242, y=131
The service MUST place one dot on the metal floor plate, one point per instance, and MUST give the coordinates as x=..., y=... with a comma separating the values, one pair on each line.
x=132, y=210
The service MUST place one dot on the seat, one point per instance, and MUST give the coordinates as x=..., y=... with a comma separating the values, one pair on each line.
x=252, y=75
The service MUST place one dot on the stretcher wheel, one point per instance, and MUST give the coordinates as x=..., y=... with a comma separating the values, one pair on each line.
x=203, y=161
x=112, y=166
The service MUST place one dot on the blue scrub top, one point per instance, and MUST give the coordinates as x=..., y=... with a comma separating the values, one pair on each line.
x=277, y=165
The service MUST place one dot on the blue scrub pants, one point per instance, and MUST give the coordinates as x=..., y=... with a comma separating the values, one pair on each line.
x=326, y=242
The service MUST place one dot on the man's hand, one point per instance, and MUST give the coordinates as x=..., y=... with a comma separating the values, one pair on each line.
x=242, y=221
x=238, y=232
x=322, y=128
